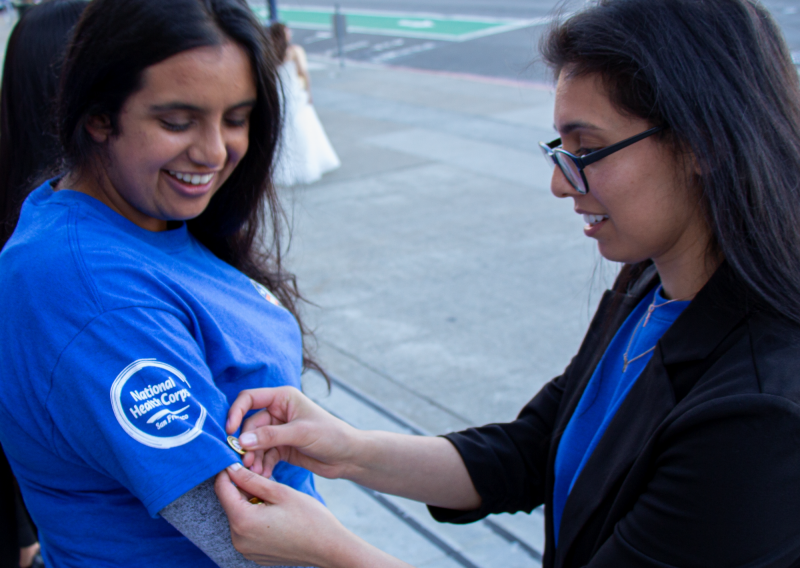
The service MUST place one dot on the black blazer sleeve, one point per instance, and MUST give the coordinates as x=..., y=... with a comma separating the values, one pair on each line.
x=724, y=491
x=508, y=462
x=9, y=542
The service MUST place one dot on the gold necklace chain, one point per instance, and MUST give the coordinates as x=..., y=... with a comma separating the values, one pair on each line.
x=646, y=317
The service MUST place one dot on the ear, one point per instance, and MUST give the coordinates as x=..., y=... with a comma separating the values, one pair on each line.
x=696, y=169
x=99, y=128
x=691, y=164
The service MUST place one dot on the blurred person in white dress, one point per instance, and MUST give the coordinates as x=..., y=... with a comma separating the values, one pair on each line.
x=305, y=153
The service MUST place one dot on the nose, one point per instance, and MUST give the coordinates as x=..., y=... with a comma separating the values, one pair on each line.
x=210, y=148
x=559, y=185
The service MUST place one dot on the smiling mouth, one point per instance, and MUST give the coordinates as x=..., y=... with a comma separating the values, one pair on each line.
x=192, y=179
x=592, y=220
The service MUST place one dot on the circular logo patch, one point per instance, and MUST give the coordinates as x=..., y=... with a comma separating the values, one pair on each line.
x=153, y=403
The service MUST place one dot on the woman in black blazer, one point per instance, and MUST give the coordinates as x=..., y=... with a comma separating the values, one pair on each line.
x=673, y=437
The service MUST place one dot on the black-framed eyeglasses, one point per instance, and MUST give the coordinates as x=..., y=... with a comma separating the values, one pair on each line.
x=572, y=166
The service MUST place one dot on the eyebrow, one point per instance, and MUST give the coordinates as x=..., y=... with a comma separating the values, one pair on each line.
x=193, y=108
x=579, y=124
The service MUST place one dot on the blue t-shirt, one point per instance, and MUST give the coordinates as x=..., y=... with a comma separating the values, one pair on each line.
x=122, y=350
x=606, y=390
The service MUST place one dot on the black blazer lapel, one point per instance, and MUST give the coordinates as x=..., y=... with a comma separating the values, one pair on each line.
x=714, y=313
x=650, y=400
x=613, y=309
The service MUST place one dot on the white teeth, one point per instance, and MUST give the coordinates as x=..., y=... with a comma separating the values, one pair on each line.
x=593, y=219
x=194, y=179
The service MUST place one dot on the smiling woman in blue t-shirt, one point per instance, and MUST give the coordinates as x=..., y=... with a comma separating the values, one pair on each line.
x=137, y=295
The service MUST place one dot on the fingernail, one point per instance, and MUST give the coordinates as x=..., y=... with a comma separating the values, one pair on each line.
x=248, y=439
x=235, y=467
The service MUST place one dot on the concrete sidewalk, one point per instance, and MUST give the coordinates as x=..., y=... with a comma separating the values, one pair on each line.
x=450, y=284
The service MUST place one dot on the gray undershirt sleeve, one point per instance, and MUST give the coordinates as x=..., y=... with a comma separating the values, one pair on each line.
x=198, y=515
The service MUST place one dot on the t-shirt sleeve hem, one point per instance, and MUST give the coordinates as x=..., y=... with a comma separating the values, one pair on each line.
x=188, y=480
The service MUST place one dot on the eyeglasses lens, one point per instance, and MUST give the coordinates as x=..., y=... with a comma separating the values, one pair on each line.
x=570, y=171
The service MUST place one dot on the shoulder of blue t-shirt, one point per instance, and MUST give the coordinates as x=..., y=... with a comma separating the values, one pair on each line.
x=70, y=244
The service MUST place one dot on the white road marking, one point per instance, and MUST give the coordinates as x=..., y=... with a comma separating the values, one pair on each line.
x=411, y=50
x=355, y=46
x=388, y=45
x=347, y=48
x=319, y=36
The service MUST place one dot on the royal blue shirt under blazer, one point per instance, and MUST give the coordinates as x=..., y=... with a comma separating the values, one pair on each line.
x=122, y=350
x=607, y=389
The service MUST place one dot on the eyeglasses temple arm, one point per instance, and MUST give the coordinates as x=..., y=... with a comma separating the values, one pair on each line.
x=600, y=154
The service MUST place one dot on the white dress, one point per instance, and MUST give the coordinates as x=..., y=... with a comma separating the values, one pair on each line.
x=304, y=152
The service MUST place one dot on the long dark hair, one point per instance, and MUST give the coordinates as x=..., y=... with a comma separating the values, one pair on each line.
x=113, y=44
x=277, y=34
x=718, y=74
x=28, y=141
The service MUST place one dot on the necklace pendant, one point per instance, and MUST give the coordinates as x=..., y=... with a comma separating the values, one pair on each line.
x=625, y=362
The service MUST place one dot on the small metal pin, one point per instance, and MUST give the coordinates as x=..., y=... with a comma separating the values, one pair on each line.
x=233, y=442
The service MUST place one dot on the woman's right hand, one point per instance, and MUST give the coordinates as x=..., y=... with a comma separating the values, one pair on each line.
x=293, y=429
x=290, y=528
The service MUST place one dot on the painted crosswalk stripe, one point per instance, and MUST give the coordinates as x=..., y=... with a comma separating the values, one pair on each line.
x=411, y=50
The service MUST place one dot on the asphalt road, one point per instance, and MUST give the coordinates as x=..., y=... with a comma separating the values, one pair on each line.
x=508, y=55
x=511, y=54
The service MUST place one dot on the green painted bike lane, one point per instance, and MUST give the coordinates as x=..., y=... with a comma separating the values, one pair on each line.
x=422, y=26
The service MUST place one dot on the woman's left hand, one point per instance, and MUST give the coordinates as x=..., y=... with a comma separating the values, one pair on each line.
x=289, y=529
